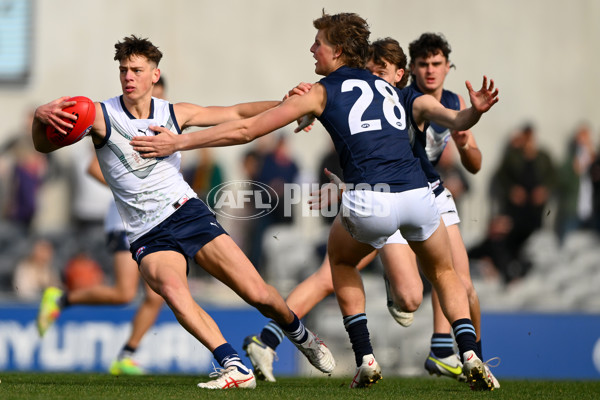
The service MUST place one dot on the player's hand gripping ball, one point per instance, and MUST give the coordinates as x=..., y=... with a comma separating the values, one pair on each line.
x=85, y=110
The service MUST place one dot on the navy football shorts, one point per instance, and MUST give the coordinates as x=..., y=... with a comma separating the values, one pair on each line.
x=186, y=231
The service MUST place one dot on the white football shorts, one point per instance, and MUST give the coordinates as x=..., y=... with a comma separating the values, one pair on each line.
x=372, y=217
x=447, y=209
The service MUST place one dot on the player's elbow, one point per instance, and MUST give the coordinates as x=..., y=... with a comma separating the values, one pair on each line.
x=246, y=135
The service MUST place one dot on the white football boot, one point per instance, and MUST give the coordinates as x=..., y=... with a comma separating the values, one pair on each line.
x=317, y=353
x=261, y=356
x=474, y=370
x=230, y=378
x=367, y=374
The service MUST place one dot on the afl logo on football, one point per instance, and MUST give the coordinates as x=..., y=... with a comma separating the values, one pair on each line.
x=242, y=199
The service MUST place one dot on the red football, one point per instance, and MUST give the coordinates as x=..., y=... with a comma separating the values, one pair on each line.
x=85, y=110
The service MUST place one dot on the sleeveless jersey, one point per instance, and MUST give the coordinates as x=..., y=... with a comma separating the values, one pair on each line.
x=437, y=136
x=418, y=140
x=146, y=191
x=368, y=121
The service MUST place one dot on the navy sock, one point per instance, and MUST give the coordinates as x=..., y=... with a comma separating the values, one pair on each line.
x=356, y=326
x=479, y=351
x=464, y=332
x=295, y=331
x=226, y=356
x=442, y=345
x=271, y=335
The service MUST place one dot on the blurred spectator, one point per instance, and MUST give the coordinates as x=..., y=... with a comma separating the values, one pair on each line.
x=595, y=180
x=26, y=171
x=277, y=169
x=252, y=164
x=331, y=161
x=204, y=175
x=521, y=188
x=574, y=186
x=245, y=226
x=35, y=272
x=90, y=200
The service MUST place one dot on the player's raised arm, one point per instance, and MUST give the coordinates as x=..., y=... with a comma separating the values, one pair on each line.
x=427, y=108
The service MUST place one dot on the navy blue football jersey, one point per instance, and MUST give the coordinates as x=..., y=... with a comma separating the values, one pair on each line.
x=368, y=120
x=419, y=143
x=436, y=137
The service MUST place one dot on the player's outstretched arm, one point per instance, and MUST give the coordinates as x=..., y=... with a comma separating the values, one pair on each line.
x=427, y=108
x=50, y=114
x=233, y=132
x=307, y=121
x=194, y=115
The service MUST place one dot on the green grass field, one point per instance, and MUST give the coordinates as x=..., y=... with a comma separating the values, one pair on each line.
x=73, y=386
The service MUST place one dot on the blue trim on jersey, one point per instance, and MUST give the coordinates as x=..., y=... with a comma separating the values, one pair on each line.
x=381, y=155
x=131, y=115
x=108, y=128
x=175, y=123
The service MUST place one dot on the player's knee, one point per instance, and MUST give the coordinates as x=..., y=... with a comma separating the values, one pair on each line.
x=471, y=293
x=410, y=302
x=413, y=304
x=261, y=297
x=128, y=296
x=153, y=299
x=325, y=286
x=173, y=293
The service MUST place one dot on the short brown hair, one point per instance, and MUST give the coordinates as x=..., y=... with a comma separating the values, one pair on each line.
x=348, y=31
x=389, y=50
x=429, y=44
x=135, y=46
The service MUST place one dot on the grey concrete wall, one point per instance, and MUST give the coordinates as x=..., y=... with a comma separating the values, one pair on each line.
x=543, y=55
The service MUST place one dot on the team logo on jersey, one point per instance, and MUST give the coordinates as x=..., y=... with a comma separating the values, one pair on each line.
x=242, y=199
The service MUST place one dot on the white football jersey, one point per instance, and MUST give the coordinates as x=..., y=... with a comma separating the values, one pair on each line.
x=146, y=190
